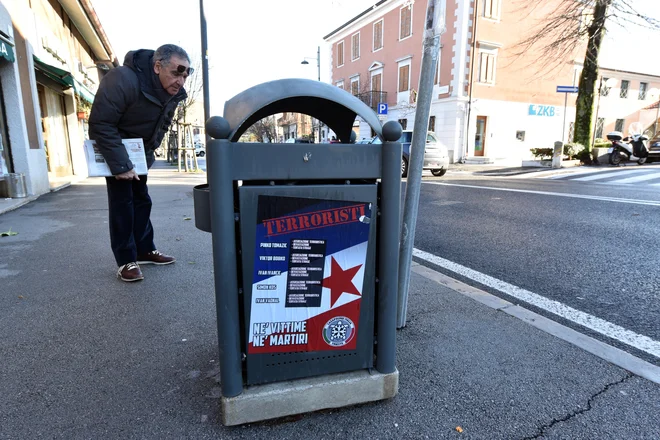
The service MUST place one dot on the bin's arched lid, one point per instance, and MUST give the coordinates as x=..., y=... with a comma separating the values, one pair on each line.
x=333, y=106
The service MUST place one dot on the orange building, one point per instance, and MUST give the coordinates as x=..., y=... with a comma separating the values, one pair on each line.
x=490, y=101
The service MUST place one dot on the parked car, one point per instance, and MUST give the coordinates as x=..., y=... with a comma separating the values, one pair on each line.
x=200, y=149
x=298, y=141
x=436, y=156
x=654, y=149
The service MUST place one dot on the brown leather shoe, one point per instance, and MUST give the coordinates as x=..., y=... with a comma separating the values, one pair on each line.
x=130, y=272
x=155, y=257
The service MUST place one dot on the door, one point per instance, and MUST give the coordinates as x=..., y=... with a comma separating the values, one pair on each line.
x=55, y=133
x=480, y=136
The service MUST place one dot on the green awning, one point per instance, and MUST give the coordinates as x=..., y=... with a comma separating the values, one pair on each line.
x=83, y=91
x=55, y=73
x=7, y=51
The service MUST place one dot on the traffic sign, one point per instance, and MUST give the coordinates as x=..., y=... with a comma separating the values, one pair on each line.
x=567, y=89
x=382, y=108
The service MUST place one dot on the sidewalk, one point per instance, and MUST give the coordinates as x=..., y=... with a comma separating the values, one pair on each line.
x=508, y=170
x=87, y=356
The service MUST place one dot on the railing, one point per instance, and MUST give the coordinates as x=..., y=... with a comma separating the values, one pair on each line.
x=372, y=99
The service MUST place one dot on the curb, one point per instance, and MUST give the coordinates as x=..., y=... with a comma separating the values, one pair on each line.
x=599, y=349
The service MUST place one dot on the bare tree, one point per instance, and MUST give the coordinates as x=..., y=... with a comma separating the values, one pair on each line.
x=194, y=89
x=564, y=32
x=265, y=130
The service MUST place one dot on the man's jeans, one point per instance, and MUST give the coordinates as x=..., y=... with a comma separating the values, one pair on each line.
x=129, y=207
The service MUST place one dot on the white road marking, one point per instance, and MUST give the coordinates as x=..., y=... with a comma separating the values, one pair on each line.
x=606, y=328
x=636, y=179
x=570, y=175
x=606, y=175
x=556, y=194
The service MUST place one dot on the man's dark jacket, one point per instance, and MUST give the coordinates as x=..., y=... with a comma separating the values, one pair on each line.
x=131, y=103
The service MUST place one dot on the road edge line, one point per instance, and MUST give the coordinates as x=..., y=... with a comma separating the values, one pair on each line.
x=597, y=348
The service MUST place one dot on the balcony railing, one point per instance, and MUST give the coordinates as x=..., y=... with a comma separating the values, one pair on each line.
x=372, y=99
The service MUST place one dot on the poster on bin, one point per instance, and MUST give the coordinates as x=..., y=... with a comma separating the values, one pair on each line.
x=308, y=274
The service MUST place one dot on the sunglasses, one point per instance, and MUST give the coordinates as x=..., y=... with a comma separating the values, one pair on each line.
x=182, y=70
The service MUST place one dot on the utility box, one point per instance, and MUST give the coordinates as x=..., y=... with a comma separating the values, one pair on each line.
x=305, y=240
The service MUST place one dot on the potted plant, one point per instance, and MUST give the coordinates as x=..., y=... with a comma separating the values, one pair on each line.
x=83, y=108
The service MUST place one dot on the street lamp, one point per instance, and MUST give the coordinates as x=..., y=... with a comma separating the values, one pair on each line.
x=611, y=82
x=655, y=94
x=318, y=74
x=318, y=62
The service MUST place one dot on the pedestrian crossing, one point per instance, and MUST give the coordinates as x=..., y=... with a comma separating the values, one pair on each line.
x=644, y=176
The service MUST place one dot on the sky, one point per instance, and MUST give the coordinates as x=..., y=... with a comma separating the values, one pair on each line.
x=249, y=41
x=254, y=41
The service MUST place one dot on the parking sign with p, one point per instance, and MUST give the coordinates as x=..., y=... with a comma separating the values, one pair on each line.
x=382, y=108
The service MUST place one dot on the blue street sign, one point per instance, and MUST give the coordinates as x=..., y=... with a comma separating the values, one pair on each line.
x=567, y=89
x=382, y=108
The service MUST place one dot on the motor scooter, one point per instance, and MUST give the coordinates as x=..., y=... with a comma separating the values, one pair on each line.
x=632, y=147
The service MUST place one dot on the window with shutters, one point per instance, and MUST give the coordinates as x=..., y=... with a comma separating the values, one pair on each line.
x=355, y=47
x=405, y=22
x=340, y=54
x=355, y=86
x=378, y=35
x=340, y=84
x=624, y=89
x=487, y=66
x=492, y=9
x=376, y=82
x=404, y=78
x=404, y=123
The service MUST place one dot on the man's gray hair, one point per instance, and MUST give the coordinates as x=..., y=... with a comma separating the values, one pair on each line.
x=165, y=53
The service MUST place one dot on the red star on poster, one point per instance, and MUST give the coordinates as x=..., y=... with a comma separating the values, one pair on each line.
x=340, y=281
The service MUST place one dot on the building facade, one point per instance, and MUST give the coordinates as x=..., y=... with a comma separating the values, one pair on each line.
x=60, y=53
x=629, y=98
x=493, y=99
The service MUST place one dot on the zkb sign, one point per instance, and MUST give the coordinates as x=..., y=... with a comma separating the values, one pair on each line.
x=541, y=110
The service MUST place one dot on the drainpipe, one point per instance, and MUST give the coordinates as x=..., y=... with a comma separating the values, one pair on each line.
x=471, y=80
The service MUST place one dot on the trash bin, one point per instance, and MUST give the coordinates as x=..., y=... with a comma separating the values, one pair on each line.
x=305, y=248
x=13, y=185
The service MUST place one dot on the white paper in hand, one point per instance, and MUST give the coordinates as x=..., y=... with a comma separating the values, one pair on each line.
x=97, y=167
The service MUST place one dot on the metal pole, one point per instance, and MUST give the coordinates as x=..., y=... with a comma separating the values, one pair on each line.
x=221, y=196
x=471, y=81
x=205, y=66
x=563, y=127
x=600, y=89
x=388, y=257
x=318, y=62
x=318, y=76
x=411, y=207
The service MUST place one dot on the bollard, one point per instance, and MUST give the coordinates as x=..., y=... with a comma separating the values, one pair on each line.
x=557, y=155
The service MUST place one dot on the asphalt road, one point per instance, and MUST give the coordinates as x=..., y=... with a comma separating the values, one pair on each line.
x=87, y=356
x=597, y=256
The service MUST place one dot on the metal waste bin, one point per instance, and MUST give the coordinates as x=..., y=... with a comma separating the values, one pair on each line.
x=305, y=248
x=13, y=185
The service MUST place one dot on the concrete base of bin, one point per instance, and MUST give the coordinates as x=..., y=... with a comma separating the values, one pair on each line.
x=281, y=399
